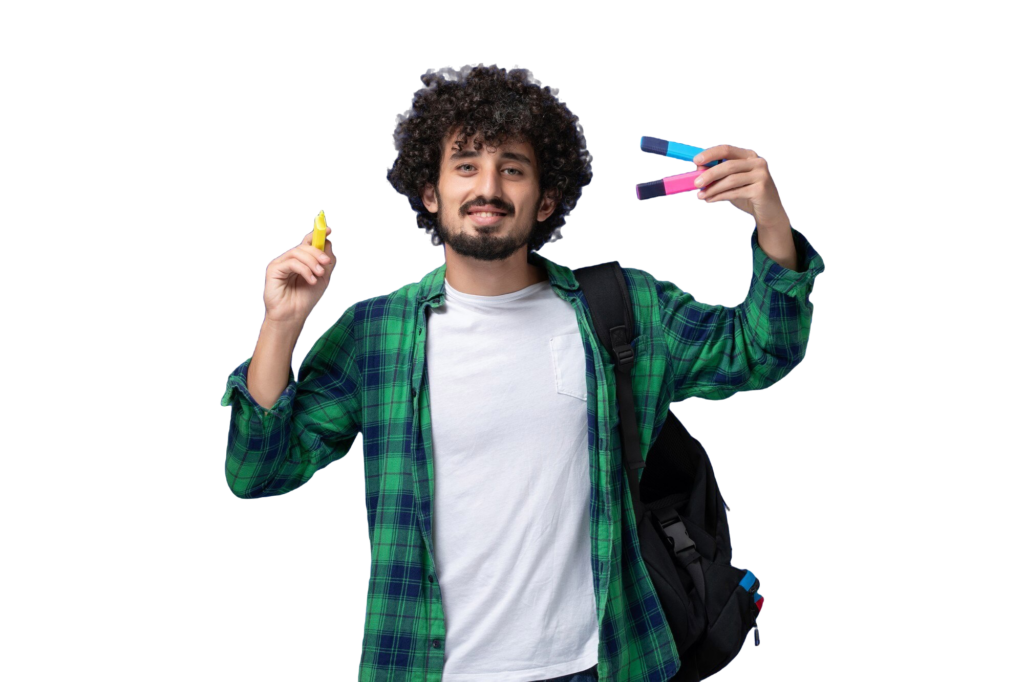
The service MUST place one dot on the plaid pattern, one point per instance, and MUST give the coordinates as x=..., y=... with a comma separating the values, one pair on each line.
x=367, y=374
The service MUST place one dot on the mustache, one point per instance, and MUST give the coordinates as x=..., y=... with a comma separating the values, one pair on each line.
x=497, y=203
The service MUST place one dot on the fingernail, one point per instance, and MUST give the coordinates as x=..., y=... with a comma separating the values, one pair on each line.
x=700, y=179
x=698, y=159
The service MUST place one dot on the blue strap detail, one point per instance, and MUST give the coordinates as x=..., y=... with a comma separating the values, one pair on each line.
x=747, y=581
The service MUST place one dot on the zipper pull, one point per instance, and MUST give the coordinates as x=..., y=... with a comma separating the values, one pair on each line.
x=757, y=636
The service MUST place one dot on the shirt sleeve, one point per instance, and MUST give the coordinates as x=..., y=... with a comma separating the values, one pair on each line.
x=716, y=351
x=313, y=423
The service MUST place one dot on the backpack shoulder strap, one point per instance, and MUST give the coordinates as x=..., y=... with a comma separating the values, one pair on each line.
x=604, y=286
x=607, y=295
x=608, y=299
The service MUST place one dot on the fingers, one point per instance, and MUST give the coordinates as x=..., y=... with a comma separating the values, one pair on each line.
x=306, y=260
x=727, y=152
x=313, y=257
x=329, y=251
x=294, y=262
x=722, y=171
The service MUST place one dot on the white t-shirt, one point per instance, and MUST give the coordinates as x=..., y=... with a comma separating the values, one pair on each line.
x=508, y=410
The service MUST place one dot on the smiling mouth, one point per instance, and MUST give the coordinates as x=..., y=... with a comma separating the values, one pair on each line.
x=485, y=218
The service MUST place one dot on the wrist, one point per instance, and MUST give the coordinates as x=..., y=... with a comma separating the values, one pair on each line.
x=777, y=224
x=286, y=333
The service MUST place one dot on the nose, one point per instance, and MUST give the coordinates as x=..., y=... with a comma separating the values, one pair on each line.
x=488, y=182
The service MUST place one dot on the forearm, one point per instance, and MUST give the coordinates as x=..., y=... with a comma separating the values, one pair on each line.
x=271, y=361
x=776, y=240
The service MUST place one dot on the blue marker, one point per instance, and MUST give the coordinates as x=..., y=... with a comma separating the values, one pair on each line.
x=670, y=148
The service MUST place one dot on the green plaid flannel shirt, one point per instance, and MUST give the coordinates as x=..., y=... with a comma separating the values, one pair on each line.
x=367, y=374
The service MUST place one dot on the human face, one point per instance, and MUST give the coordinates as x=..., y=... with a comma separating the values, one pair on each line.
x=502, y=180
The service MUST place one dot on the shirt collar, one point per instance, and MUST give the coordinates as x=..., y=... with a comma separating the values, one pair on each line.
x=432, y=284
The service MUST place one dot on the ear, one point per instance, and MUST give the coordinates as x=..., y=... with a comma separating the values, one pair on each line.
x=547, y=205
x=429, y=198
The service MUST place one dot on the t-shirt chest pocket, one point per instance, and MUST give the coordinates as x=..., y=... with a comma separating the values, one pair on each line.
x=569, y=364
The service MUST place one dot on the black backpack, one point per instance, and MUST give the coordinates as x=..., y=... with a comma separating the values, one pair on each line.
x=680, y=514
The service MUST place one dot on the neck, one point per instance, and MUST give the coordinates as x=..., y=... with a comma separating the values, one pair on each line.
x=491, y=278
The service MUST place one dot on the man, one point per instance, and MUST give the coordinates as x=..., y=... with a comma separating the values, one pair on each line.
x=494, y=483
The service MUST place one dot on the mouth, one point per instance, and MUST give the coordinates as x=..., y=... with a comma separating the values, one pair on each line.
x=486, y=217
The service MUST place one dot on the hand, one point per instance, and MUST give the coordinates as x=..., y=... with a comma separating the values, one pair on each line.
x=744, y=180
x=296, y=280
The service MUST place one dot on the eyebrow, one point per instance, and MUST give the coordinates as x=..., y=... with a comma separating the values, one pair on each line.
x=470, y=153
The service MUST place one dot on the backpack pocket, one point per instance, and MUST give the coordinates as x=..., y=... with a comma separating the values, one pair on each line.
x=733, y=606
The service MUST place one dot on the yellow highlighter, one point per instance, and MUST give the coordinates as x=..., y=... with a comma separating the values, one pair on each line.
x=319, y=231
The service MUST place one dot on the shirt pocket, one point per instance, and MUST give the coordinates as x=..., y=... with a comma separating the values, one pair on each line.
x=570, y=365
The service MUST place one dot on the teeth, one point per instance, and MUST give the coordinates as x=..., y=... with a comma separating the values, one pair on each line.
x=487, y=215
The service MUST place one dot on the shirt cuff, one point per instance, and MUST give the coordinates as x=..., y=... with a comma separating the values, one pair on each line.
x=809, y=264
x=237, y=381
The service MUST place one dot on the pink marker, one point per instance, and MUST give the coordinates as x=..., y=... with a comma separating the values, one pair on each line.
x=670, y=185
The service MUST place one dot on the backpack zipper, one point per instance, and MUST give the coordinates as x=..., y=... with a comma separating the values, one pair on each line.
x=753, y=591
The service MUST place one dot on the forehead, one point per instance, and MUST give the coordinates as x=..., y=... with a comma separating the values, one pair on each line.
x=451, y=144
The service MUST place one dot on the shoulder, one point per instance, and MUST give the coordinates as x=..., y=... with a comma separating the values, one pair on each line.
x=642, y=285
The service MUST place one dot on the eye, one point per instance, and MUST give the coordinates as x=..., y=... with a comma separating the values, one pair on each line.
x=461, y=166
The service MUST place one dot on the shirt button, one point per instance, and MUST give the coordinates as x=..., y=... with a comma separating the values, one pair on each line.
x=430, y=577
x=436, y=643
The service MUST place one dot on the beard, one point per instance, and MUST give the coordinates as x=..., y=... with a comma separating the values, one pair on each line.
x=485, y=245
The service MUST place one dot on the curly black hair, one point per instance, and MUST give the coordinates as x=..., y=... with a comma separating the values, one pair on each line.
x=500, y=107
